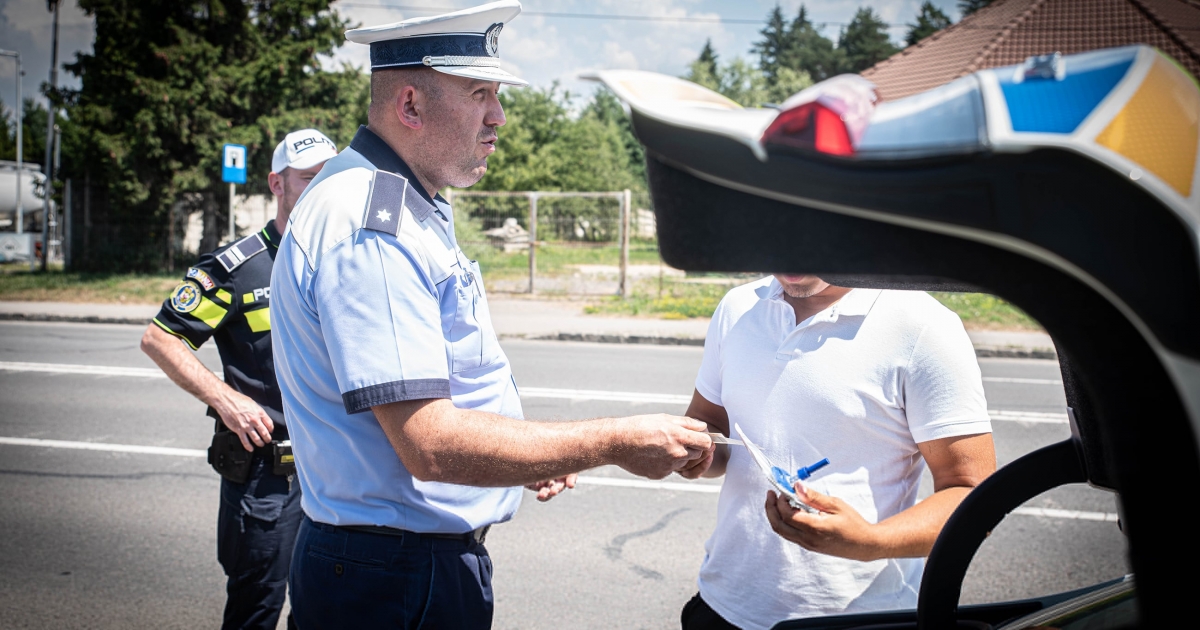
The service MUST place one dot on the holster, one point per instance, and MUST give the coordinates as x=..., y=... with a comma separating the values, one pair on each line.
x=227, y=456
x=282, y=461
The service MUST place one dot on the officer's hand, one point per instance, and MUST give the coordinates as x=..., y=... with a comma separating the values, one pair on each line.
x=657, y=445
x=839, y=530
x=246, y=418
x=551, y=488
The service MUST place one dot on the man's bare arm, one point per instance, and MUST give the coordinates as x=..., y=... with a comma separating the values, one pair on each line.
x=958, y=464
x=240, y=413
x=712, y=464
x=437, y=441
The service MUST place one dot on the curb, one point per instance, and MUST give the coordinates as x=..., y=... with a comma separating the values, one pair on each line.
x=648, y=340
x=77, y=319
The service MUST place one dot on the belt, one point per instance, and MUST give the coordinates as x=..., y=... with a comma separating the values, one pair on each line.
x=477, y=535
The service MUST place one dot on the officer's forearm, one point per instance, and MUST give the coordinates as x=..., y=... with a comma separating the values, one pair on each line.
x=182, y=367
x=439, y=442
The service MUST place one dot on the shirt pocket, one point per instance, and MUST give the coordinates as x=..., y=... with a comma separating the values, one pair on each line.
x=473, y=342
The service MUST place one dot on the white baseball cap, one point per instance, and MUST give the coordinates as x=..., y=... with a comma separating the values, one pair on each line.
x=465, y=43
x=302, y=149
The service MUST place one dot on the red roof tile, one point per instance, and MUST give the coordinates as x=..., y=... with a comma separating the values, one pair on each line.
x=1009, y=31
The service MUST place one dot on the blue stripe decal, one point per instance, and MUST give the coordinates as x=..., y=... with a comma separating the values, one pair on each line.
x=1050, y=106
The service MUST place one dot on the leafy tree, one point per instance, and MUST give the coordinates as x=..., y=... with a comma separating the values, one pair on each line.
x=865, y=41
x=929, y=21
x=33, y=138
x=170, y=82
x=811, y=52
x=737, y=80
x=970, y=6
x=543, y=147
x=606, y=107
x=708, y=57
x=787, y=83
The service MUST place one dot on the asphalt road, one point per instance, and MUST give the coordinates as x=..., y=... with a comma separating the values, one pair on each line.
x=108, y=539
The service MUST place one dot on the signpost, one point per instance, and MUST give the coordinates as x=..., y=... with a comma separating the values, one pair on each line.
x=233, y=171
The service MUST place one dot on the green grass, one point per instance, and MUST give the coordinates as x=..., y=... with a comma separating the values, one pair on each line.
x=981, y=310
x=684, y=300
x=677, y=300
x=59, y=286
x=555, y=259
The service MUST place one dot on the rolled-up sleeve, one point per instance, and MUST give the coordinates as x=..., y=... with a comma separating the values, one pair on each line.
x=381, y=320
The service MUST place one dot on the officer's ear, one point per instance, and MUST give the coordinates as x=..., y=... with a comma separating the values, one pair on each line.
x=409, y=106
x=275, y=183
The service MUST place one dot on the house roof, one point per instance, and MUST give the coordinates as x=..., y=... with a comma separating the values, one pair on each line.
x=1008, y=31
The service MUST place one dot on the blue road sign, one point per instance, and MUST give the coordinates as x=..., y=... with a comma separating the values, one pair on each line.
x=233, y=161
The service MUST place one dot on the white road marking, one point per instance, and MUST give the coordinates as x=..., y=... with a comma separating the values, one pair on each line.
x=613, y=482
x=595, y=394
x=1022, y=381
x=1036, y=417
x=526, y=392
x=101, y=446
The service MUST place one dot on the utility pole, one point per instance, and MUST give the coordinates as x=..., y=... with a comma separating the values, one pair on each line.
x=52, y=5
x=20, y=142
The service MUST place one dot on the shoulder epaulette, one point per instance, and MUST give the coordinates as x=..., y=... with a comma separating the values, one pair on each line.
x=241, y=251
x=385, y=208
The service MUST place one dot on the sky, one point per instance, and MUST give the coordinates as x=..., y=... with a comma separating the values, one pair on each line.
x=539, y=48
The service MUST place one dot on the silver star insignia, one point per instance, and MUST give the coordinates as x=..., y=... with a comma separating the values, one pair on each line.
x=384, y=215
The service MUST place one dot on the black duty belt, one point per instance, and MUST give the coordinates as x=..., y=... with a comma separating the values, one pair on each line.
x=478, y=535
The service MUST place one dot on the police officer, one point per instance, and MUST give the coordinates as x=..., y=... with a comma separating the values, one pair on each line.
x=405, y=418
x=226, y=295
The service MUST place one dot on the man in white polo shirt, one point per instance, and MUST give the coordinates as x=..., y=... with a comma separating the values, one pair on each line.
x=880, y=383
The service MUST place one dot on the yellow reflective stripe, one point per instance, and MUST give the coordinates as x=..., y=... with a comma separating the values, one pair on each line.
x=260, y=320
x=247, y=298
x=209, y=312
x=175, y=334
x=224, y=296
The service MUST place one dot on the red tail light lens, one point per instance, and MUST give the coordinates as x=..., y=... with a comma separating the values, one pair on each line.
x=810, y=126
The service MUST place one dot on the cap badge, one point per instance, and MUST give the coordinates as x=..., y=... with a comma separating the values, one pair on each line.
x=492, y=39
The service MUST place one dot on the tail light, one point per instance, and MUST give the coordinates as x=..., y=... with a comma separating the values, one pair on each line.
x=810, y=126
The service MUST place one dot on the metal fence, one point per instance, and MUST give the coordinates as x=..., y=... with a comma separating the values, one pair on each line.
x=558, y=242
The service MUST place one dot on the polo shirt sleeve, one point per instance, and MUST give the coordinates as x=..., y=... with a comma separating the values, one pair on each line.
x=381, y=320
x=708, y=379
x=943, y=388
x=200, y=305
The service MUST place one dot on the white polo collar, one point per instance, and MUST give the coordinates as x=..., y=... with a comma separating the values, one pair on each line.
x=856, y=303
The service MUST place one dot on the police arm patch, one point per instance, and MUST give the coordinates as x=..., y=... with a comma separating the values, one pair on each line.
x=186, y=297
x=201, y=277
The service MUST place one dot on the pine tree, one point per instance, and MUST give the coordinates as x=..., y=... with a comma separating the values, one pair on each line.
x=809, y=51
x=970, y=6
x=865, y=41
x=929, y=21
x=773, y=46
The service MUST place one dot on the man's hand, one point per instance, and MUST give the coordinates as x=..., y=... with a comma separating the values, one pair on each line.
x=838, y=531
x=551, y=488
x=655, y=446
x=246, y=418
x=696, y=468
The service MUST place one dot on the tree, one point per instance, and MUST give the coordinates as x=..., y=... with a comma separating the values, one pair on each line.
x=773, y=46
x=865, y=41
x=737, y=80
x=929, y=21
x=33, y=134
x=811, y=52
x=970, y=6
x=170, y=82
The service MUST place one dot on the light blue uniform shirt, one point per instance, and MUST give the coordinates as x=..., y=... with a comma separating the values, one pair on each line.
x=373, y=302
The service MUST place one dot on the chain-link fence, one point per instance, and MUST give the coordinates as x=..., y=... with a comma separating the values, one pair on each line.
x=577, y=243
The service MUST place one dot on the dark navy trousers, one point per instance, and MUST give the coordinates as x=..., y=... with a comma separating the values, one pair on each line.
x=344, y=578
x=256, y=530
